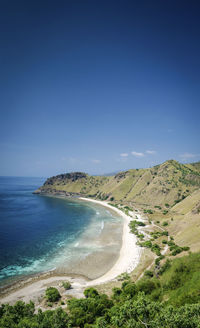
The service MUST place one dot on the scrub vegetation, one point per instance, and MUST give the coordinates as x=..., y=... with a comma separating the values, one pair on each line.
x=165, y=290
x=171, y=300
x=168, y=194
x=168, y=184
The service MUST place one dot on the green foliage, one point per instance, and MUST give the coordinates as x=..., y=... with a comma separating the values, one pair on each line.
x=157, y=206
x=156, y=249
x=91, y=292
x=177, y=201
x=134, y=313
x=23, y=315
x=187, y=316
x=52, y=294
x=132, y=226
x=170, y=243
x=134, y=223
x=148, y=273
x=123, y=276
x=156, y=234
x=140, y=223
x=172, y=301
x=140, y=236
x=85, y=311
x=165, y=233
x=147, y=244
x=114, y=205
x=175, y=249
x=157, y=261
x=148, y=211
x=66, y=285
x=129, y=289
x=185, y=248
x=128, y=208
x=165, y=223
x=165, y=267
x=116, y=293
x=181, y=280
x=147, y=286
x=121, y=184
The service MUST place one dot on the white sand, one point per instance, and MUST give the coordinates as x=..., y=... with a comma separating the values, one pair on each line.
x=128, y=259
x=129, y=254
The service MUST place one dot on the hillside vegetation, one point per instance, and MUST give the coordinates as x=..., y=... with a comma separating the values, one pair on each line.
x=164, y=292
x=172, y=301
x=168, y=195
x=169, y=183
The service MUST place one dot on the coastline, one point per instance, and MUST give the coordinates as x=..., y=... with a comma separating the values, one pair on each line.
x=128, y=259
x=129, y=255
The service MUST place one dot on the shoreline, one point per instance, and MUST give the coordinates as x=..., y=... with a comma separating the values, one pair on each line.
x=128, y=259
x=129, y=254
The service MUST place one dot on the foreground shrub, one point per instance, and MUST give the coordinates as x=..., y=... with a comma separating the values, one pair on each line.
x=148, y=273
x=91, y=292
x=52, y=294
x=85, y=311
x=66, y=285
x=129, y=289
x=146, y=286
x=23, y=315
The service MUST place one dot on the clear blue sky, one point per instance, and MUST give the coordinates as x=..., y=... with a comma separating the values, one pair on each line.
x=98, y=86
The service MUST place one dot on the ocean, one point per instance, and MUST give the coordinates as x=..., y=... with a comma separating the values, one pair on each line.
x=41, y=233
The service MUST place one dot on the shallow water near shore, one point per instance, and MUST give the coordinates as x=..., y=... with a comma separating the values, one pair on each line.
x=40, y=233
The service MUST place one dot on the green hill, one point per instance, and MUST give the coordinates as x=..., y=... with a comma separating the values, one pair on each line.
x=168, y=194
x=171, y=300
x=166, y=294
x=170, y=183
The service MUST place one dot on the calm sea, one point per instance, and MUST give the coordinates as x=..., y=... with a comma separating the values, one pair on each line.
x=39, y=233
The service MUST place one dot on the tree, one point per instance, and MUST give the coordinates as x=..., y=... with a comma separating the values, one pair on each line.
x=66, y=285
x=91, y=292
x=52, y=294
x=138, y=313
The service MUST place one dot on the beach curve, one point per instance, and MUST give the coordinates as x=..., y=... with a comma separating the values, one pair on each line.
x=129, y=257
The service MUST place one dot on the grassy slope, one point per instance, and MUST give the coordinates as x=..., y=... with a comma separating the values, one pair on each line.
x=177, y=285
x=173, y=186
x=186, y=224
x=180, y=284
x=165, y=183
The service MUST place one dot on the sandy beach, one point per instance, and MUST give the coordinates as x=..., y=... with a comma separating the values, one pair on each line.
x=129, y=254
x=128, y=259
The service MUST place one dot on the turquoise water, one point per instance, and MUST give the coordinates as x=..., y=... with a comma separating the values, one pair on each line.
x=39, y=233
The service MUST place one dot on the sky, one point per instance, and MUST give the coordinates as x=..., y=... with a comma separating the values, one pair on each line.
x=98, y=86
